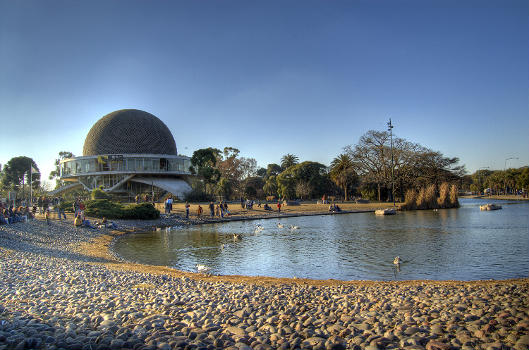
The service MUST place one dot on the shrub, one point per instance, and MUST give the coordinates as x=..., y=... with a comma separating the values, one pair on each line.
x=67, y=206
x=105, y=208
x=143, y=211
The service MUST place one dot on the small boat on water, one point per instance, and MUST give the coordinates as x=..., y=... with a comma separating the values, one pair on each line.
x=489, y=207
x=387, y=211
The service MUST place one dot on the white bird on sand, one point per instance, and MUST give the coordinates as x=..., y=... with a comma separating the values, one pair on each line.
x=397, y=260
x=280, y=225
x=203, y=268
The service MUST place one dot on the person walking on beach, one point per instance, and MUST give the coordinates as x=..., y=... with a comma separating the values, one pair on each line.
x=187, y=210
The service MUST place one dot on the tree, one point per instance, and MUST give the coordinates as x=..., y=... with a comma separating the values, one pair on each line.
x=270, y=187
x=289, y=160
x=273, y=170
x=205, y=157
x=203, y=164
x=253, y=187
x=313, y=174
x=235, y=169
x=16, y=173
x=223, y=188
x=261, y=172
x=55, y=174
x=414, y=166
x=522, y=180
x=371, y=157
x=342, y=172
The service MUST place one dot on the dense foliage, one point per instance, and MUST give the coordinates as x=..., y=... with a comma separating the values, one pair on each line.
x=112, y=210
x=499, y=181
x=413, y=166
x=16, y=174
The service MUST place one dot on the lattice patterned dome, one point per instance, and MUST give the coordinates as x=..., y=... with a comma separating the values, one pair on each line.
x=129, y=131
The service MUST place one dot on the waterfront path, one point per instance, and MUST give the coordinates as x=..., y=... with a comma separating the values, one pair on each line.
x=60, y=288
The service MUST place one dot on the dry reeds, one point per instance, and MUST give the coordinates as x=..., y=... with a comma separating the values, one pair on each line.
x=443, y=201
x=427, y=197
x=410, y=199
x=454, y=202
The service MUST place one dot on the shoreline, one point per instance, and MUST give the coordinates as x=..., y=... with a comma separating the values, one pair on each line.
x=61, y=288
x=101, y=247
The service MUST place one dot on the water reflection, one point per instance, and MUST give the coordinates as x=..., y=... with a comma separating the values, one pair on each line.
x=445, y=244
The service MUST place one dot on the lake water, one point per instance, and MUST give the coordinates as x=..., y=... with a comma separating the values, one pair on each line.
x=460, y=244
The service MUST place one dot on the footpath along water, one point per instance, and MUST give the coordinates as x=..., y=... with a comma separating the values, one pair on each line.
x=452, y=244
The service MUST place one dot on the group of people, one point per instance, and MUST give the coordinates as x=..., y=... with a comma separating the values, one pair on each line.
x=219, y=210
x=334, y=208
x=11, y=214
x=168, y=205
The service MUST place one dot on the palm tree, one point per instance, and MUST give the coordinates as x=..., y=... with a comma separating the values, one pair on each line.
x=342, y=172
x=288, y=160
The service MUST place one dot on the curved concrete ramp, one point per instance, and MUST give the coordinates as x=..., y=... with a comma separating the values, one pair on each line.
x=64, y=189
x=177, y=187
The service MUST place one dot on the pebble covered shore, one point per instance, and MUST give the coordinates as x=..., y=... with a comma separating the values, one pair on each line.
x=56, y=295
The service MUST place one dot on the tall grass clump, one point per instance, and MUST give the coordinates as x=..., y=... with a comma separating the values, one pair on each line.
x=443, y=201
x=410, y=199
x=427, y=198
x=454, y=202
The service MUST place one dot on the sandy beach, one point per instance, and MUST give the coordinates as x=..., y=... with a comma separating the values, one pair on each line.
x=61, y=288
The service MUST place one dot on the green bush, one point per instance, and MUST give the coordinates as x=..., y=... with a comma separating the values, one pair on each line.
x=98, y=193
x=141, y=211
x=105, y=208
x=67, y=206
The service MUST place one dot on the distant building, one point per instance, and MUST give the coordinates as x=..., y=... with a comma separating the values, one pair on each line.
x=128, y=152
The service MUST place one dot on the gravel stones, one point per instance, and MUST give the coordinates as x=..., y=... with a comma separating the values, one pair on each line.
x=54, y=296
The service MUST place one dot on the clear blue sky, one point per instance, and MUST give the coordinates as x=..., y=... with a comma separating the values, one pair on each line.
x=270, y=78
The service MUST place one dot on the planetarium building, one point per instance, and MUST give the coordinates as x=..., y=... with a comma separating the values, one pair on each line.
x=129, y=152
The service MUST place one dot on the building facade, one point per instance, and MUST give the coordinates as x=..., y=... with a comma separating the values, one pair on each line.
x=129, y=152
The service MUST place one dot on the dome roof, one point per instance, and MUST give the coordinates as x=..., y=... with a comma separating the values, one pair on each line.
x=129, y=131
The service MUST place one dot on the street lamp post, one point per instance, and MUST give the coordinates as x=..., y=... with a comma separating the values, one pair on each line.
x=505, y=173
x=390, y=129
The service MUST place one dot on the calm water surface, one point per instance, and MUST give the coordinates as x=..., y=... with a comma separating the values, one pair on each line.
x=461, y=244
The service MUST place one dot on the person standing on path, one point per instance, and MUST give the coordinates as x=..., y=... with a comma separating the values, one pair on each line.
x=47, y=216
x=279, y=207
x=212, y=209
x=199, y=211
x=170, y=204
x=187, y=210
